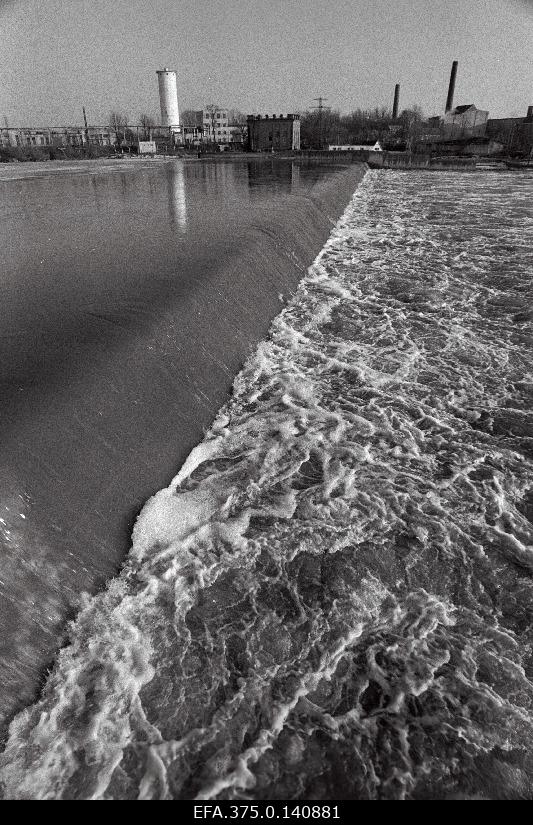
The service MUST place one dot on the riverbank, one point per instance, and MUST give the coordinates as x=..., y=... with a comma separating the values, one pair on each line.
x=126, y=163
x=91, y=166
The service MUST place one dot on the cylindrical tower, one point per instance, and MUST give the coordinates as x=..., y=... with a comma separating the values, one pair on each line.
x=168, y=98
x=451, y=88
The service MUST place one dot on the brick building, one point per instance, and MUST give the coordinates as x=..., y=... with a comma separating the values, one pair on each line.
x=273, y=133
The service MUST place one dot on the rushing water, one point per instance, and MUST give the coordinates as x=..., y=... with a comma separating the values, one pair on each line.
x=333, y=598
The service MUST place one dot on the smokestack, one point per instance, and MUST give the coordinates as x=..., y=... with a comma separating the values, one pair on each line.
x=451, y=88
x=396, y=102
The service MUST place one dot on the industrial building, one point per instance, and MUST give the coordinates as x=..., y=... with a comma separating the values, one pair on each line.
x=212, y=126
x=468, y=147
x=462, y=129
x=464, y=122
x=208, y=126
x=273, y=133
x=459, y=122
x=516, y=133
x=216, y=125
x=57, y=136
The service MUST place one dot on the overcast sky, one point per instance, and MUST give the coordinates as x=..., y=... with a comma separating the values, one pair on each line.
x=259, y=55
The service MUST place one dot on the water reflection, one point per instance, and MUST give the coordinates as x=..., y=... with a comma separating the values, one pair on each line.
x=177, y=201
x=214, y=178
x=280, y=176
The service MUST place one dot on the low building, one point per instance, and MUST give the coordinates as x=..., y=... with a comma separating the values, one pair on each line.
x=516, y=133
x=276, y=133
x=357, y=147
x=57, y=136
x=192, y=134
x=464, y=122
x=466, y=147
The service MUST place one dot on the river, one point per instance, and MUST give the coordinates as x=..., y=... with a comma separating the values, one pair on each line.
x=333, y=597
x=131, y=294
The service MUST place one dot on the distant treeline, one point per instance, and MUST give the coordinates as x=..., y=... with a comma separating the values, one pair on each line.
x=318, y=128
x=322, y=127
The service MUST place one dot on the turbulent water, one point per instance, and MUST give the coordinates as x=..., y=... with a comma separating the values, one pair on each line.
x=333, y=598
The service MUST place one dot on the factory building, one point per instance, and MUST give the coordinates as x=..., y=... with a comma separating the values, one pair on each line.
x=212, y=126
x=516, y=133
x=465, y=122
x=459, y=122
x=57, y=136
x=216, y=125
x=273, y=133
x=467, y=147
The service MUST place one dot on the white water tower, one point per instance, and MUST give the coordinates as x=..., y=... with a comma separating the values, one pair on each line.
x=168, y=98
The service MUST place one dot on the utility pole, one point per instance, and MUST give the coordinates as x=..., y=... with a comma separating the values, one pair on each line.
x=320, y=109
x=86, y=127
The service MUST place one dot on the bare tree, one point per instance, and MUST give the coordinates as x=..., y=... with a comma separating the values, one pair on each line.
x=320, y=128
x=238, y=133
x=412, y=123
x=119, y=121
x=211, y=110
x=148, y=123
x=189, y=117
x=236, y=117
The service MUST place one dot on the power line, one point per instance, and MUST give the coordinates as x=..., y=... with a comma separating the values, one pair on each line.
x=320, y=109
x=320, y=106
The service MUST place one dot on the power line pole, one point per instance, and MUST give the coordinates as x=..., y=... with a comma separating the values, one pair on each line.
x=86, y=127
x=320, y=109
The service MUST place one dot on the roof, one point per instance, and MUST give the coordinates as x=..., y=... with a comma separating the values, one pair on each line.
x=460, y=110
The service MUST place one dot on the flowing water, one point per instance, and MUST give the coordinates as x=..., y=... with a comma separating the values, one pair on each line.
x=333, y=598
x=131, y=293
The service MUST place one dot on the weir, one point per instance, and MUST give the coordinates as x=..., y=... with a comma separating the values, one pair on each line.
x=104, y=398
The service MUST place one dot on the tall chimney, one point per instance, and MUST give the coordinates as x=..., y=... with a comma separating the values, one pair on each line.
x=451, y=88
x=396, y=102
